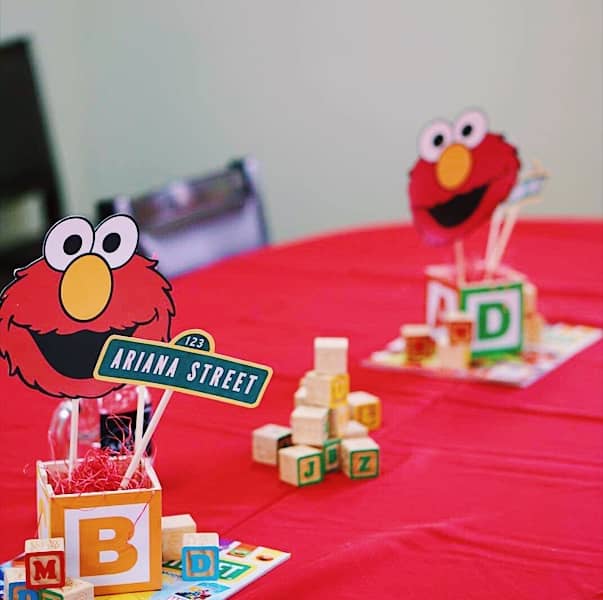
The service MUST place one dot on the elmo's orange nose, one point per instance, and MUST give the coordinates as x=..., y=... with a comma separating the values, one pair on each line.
x=86, y=287
x=454, y=166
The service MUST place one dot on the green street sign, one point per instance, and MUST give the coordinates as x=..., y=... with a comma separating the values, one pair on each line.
x=187, y=364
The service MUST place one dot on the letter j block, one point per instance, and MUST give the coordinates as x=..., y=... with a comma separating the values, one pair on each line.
x=44, y=563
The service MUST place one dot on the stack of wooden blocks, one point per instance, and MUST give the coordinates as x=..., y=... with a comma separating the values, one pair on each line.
x=329, y=424
x=43, y=576
x=199, y=553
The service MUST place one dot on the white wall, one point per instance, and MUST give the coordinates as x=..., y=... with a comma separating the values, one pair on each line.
x=329, y=95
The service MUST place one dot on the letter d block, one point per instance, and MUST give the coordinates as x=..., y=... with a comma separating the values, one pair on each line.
x=44, y=563
x=200, y=557
x=360, y=458
x=498, y=314
x=112, y=539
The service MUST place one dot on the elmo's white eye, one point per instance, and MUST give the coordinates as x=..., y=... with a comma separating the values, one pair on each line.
x=115, y=239
x=67, y=240
x=434, y=138
x=470, y=128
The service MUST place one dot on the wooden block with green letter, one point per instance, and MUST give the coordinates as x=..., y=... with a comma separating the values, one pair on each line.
x=495, y=306
x=360, y=458
x=331, y=451
x=301, y=465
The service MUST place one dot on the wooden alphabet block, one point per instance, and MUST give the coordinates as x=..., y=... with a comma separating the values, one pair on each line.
x=331, y=355
x=532, y=328
x=365, y=408
x=419, y=343
x=309, y=425
x=173, y=527
x=200, y=556
x=301, y=396
x=459, y=326
x=267, y=441
x=360, y=458
x=45, y=563
x=354, y=429
x=331, y=451
x=15, y=587
x=75, y=589
x=338, y=419
x=301, y=465
x=324, y=389
x=454, y=357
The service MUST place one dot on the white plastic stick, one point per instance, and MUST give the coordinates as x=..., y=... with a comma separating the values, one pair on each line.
x=459, y=259
x=140, y=394
x=146, y=438
x=73, y=437
x=493, y=234
x=505, y=236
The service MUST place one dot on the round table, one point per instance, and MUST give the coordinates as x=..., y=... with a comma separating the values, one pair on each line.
x=485, y=491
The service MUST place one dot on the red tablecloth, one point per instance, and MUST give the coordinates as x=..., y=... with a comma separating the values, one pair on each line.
x=485, y=492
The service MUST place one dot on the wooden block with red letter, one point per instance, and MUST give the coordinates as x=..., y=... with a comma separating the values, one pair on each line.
x=325, y=389
x=419, y=343
x=173, y=527
x=310, y=425
x=331, y=355
x=75, y=589
x=15, y=587
x=112, y=539
x=459, y=326
x=200, y=557
x=267, y=441
x=44, y=563
x=365, y=408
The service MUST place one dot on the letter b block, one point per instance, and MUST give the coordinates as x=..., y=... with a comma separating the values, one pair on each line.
x=44, y=563
x=112, y=539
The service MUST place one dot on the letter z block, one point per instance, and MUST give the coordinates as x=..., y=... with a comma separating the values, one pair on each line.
x=200, y=557
x=45, y=563
x=360, y=458
x=15, y=587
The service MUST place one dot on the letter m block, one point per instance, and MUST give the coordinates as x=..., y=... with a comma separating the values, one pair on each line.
x=44, y=563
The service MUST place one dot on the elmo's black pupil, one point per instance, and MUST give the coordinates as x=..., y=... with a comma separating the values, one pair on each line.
x=438, y=140
x=467, y=130
x=111, y=242
x=72, y=244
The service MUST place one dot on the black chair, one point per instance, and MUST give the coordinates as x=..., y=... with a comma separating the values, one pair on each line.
x=26, y=163
x=195, y=222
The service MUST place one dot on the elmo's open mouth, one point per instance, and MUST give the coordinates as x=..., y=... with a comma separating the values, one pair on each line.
x=75, y=355
x=459, y=208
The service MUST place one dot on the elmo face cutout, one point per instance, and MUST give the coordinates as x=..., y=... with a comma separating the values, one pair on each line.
x=462, y=174
x=57, y=313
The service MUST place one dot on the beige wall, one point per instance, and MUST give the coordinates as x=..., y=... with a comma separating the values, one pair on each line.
x=329, y=95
